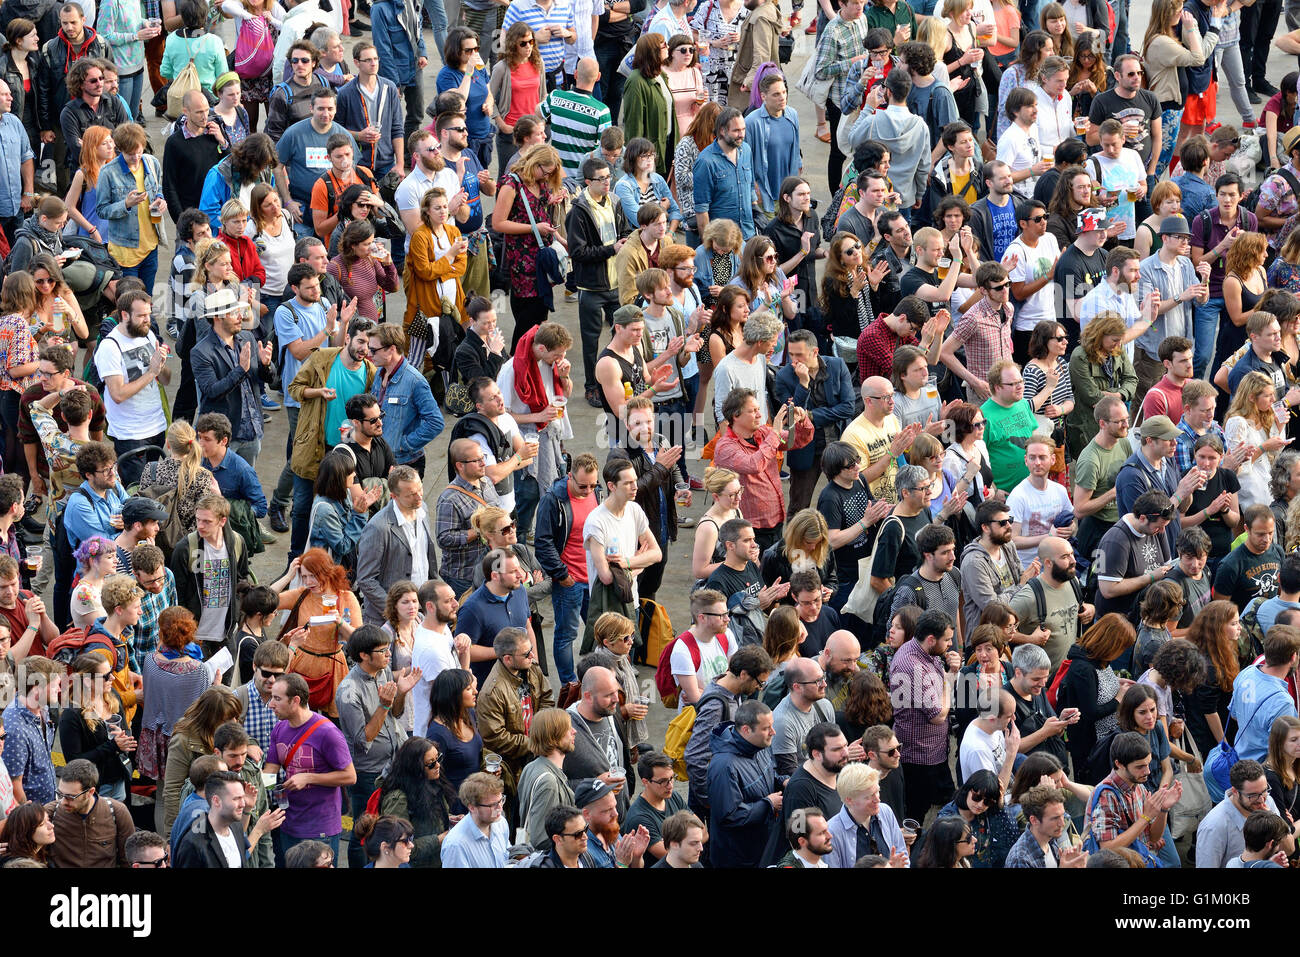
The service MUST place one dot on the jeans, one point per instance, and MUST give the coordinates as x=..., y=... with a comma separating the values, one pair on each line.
x=248, y=450
x=414, y=94
x=359, y=794
x=570, y=605
x=1230, y=61
x=1121, y=27
x=1168, y=854
x=1205, y=330
x=438, y=21
x=527, y=495
x=129, y=474
x=609, y=57
x=146, y=270
x=130, y=87
x=304, y=492
x=284, y=487
x=595, y=312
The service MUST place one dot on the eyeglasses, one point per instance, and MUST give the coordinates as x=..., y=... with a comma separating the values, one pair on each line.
x=725, y=615
x=146, y=582
x=893, y=752
x=473, y=49
x=93, y=79
x=374, y=418
x=495, y=805
x=47, y=281
x=1257, y=797
x=300, y=59
x=586, y=488
x=1013, y=382
x=1040, y=218
x=881, y=398
x=525, y=43
x=430, y=765
x=812, y=681
x=164, y=861
x=478, y=461
x=64, y=796
x=1134, y=72
x=663, y=782
x=108, y=471
x=1001, y=522
x=851, y=249
x=456, y=129
x=769, y=258
x=599, y=179
x=967, y=839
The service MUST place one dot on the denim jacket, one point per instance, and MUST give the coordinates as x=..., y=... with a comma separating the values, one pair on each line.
x=630, y=196
x=413, y=418
x=116, y=181
x=336, y=527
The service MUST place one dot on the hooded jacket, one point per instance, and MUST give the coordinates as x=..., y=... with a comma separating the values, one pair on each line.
x=714, y=708
x=29, y=239
x=475, y=423
x=589, y=252
x=554, y=526
x=980, y=583
x=587, y=760
x=220, y=185
x=743, y=824
x=57, y=57
x=908, y=140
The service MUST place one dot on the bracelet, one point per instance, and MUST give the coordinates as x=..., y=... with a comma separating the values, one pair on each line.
x=1152, y=576
x=386, y=707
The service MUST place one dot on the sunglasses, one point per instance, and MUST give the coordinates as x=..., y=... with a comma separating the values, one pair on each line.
x=300, y=59
x=430, y=765
x=525, y=43
x=1040, y=218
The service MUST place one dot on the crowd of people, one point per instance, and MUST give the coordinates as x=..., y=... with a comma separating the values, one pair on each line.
x=1040, y=342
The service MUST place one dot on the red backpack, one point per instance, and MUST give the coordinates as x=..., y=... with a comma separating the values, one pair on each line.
x=1055, y=687
x=75, y=642
x=665, y=684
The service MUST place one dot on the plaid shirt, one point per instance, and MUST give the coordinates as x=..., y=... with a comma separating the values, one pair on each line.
x=876, y=348
x=1113, y=814
x=916, y=683
x=1184, y=455
x=986, y=334
x=146, y=629
x=259, y=719
x=451, y=523
x=841, y=41
x=758, y=465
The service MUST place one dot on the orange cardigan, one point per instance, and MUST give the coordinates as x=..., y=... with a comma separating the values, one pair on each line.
x=425, y=269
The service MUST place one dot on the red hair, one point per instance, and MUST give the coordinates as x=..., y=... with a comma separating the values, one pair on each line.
x=334, y=578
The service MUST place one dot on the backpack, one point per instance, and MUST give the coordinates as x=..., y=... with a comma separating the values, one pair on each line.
x=1252, y=198
x=1054, y=688
x=254, y=49
x=678, y=735
x=283, y=350
x=186, y=81
x=669, y=693
x=656, y=631
x=1099, y=756
x=63, y=557
x=172, y=530
x=1250, y=640
x=880, y=626
x=1090, y=843
x=75, y=642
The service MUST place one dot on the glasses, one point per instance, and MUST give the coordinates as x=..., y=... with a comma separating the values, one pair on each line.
x=64, y=796
x=1040, y=218
x=1134, y=72
x=1013, y=382
x=375, y=59
x=812, y=681
x=495, y=805
x=997, y=286
x=881, y=398
x=769, y=258
x=967, y=839
x=374, y=418
x=270, y=674
x=625, y=638
x=47, y=281
x=893, y=752
x=599, y=179
x=473, y=49
x=478, y=461
x=525, y=43
x=430, y=765
x=663, y=782
x=1002, y=522
x=147, y=582
x=164, y=861
x=585, y=488
x=576, y=834
x=1257, y=797
x=851, y=249
x=300, y=59
x=93, y=79
x=108, y=471
x=506, y=528
x=457, y=129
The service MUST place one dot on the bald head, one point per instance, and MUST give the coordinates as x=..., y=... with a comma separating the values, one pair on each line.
x=1052, y=548
x=587, y=72
x=801, y=675
x=840, y=655
x=876, y=385
x=195, y=99
x=599, y=693
x=463, y=449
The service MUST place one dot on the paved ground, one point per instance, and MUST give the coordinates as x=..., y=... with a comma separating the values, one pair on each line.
x=677, y=581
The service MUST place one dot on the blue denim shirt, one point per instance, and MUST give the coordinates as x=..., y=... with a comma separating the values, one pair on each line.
x=629, y=195
x=770, y=170
x=89, y=514
x=15, y=150
x=116, y=181
x=413, y=418
x=725, y=190
x=1198, y=195
x=236, y=479
x=397, y=61
x=1257, y=701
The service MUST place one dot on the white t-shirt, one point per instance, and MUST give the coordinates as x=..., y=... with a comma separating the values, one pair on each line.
x=433, y=652
x=509, y=428
x=1055, y=119
x=141, y=416
x=218, y=592
x=1020, y=149
x=230, y=848
x=1034, y=510
x=733, y=372
x=981, y=751
x=1033, y=262
x=1118, y=175
x=411, y=191
x=713, y=662
x=603, y=528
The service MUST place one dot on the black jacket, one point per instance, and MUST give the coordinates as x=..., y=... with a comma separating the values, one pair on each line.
x=651, y=479
x=218, y=374
x=587, y=250
x=77, y=116
x=1079, y=690
x=472, y=360
x=554, y=524
x=774, y=564
x=43, y=13
x=186, y=563
x=198, y=847
x=185, y=164
x=57, y=57
x=22, y=99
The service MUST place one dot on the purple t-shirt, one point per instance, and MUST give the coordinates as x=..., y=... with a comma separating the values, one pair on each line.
x=314, y=811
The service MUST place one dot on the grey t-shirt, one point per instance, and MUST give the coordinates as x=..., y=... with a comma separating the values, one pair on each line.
x=658, y=333
x=1061, y=618
x=791, y=727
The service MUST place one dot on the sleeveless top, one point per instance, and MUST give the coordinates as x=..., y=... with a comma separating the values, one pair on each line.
x=966, y=96
x=628, y=373
x=1249, y=300
x=88, y=206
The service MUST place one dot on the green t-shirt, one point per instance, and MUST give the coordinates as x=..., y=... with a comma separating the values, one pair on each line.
x=345, y=383
x=1004, y=434
x=1096, y=470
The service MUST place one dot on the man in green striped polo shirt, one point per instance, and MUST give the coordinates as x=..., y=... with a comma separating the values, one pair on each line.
x=577, y=118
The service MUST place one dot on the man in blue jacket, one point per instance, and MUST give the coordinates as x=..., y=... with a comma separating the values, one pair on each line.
x=370, y=108
x=399, y=41
x=230, y=370
x=560, y=520
x=91, y=508
x=823, y=386
x=413, y=417
x=744, y=790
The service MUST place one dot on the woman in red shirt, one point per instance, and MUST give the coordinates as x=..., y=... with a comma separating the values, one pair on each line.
x=243, y=251
x=515, y=88
x=364, y=268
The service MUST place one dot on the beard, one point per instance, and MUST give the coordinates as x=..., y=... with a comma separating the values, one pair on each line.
x=434, y=164
x=607, y=832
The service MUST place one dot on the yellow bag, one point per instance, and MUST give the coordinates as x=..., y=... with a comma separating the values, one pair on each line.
x=677, y=737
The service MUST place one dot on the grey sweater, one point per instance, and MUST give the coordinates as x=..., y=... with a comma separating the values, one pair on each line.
x=542, y=786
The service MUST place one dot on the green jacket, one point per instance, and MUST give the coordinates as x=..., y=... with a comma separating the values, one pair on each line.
x=1089, y=381
x=645, y=113
x=428, y=844
x=309, y=440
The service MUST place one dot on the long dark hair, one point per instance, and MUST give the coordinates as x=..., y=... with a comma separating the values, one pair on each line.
x=940, y=850
x=424, y=798
x=445, y=705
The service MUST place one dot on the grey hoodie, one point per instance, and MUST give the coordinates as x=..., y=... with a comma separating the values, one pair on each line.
x=980, y=583
x=908, y=140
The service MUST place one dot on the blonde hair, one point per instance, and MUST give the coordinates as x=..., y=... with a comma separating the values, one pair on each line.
x=535, y=157
x=717, y=478
x=1243, y=401
x=232, y=208
x=1102, y=325
x=723, y=232
x=205, y=256
x=805, y=524
x=612, y=625
x=856, y=779
x=486, y=518
x=184, y=445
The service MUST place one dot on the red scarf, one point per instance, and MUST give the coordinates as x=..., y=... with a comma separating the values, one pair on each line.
x=528, y=374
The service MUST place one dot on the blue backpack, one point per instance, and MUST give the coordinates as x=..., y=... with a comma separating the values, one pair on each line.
x=1090, y=843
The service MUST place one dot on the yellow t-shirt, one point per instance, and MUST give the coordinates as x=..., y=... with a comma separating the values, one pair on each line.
x=872, y=443
x=964, y=187
x=126, y=255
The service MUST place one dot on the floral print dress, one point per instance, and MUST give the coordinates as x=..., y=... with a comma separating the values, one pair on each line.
x=521, y=250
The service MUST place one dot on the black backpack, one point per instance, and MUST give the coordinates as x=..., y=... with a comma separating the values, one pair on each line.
x=1252, y=198
x=880, y=625
x=63, y=557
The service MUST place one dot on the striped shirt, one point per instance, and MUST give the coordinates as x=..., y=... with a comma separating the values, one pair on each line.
x=558, y=17
x=577, y=120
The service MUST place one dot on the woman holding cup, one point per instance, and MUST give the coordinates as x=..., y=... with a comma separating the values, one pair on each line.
x=435, y=264
x=95, y=728
x=133, y=178
x=323, y=613
x=364, y=269
x=122, y=25
x=616, y=634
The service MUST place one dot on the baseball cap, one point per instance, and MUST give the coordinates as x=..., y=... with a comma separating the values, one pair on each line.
x=626, y=315
x=138, y=508
x=1158, y=427
x=590, y=791
x=1091, y=219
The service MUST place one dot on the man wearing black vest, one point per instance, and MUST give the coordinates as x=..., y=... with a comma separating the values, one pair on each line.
x=494, y=430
